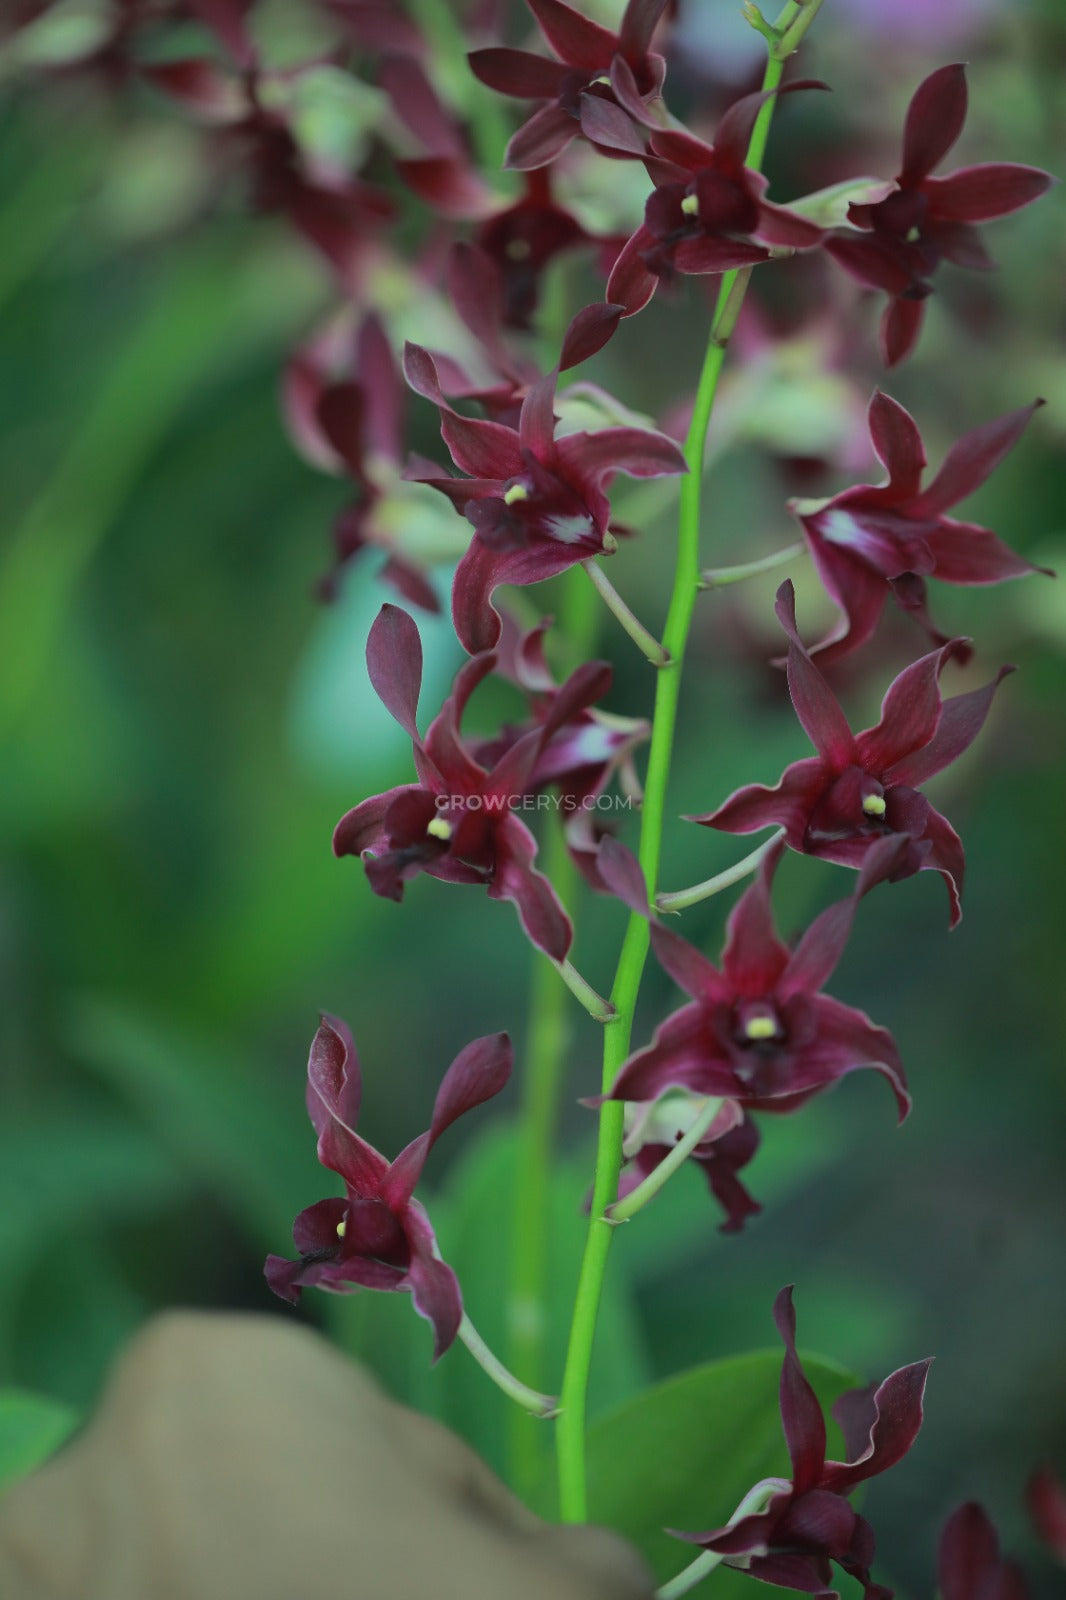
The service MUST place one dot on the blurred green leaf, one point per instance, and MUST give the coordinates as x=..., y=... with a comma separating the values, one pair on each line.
x=32, y=1427
x=684, y=1453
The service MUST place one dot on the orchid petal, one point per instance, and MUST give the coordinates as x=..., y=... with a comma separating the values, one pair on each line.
x=631, y=284
x=788, y=805
x=689, y=969
x=934, y=121
x=754, y=957
x=801, y=1414
x=538, y=141
x=961, y=720
x=971, y=460
x=894, y=435
x=605, y=124
x=980, y=193
x=900, y=327
x=394, y=662
x=815, y=703
x=910, y=712
x=574, y=38
x=518, y=72
x=543, y=918
x=589, y=331
x=897, y=1408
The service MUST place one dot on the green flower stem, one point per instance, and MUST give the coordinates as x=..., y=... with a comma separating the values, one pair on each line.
x=638, y=1198
x=756, y=1500
x=718, y=577
x=570, y=1433
x=541, y=1405
x=790, y=37
x=644, y=641
x=681, y=899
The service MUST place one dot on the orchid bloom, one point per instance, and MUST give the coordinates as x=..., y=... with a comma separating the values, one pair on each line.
x=378, y=1236
x=758, y=1030
x=460, y=822
x=861, y=787
x=537, y=503
x=602, y=85
x=807, y=1522
x=874, y=540
x=708, y=212
x=896, y=243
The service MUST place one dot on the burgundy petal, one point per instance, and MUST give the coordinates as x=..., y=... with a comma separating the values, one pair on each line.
x=947, y=858
x=898, y=1417
x=709, y=253
x=537, y=419
x=815, y=703
x=977, y=194
x=639, y=21
x=873, y=261
x=363, y=828
x=334, y=1088
x=478, y=1072
x=782, y=227
x=575, y=40
x=588, y=332
x=967, y=554
x=900, y=327
x=518, y=72
x=689, y=969
x=910, y=712
x=856, y=1414
x=847, y=1041
x=754, y=957
x=1045, y=1497
x=734, y=131
x=604, y=123
x=545, y=922
x=934, y=121
x=540, y=140
x=448, y=184
x=315, y=1228
x=898, y=443
x=801, y=1414
x=434, y=1286
x=394, y=662
x=416, y=104
x=960, y=243
x=816, y=956
x=475, y=289
x=788, y=805
x=961, y=720
x=858, y=589
x=635, y=451
x=481, y=571
x=631, y=284
x=684, y=1054
x=623, y=875
x=971, y=460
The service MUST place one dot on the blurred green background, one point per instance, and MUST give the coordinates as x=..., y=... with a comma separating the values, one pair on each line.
x=181, y=725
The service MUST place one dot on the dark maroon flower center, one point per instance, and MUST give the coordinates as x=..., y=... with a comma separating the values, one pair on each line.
x=711, y=204
x=535, y=504
x=854, y=805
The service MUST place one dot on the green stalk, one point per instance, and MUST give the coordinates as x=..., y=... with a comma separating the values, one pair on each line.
x=544, y=1060
x=570, y=1433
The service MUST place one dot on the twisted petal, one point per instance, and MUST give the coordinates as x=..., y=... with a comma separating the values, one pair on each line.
x=815, y=958
x=816, y=705
x=334, y=1091
x=894, y=435
x=961, y=720
x=801, y=1413
x=946, y=857
x=363, y=828
x=481, y=571
x=478, y=1073
x=631, y=283
x=684, y=1054
x=788, y=805
x=910, y=712
x=847, y=1041
x=897, y=1417
x=857, y=588
x=545, y=922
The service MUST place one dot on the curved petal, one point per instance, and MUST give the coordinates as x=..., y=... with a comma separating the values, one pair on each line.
x=818, y=952
x=574, y=38
x=589, y=331
x=847, y=1041
x=607, y=125
x=639, y=21
x=480, y=573
x=948, y=858
x=538, y=141
x=788, y=805
x=934, y=121
x=394, y=662
x=801, y=1413
x=433, y=1285
x=894, y=435
x=638, y=452
x=784, y=228
x=858, y=589
x=684, y=1054
x=709, y=253
x=689, y=969
x=631, y=283
x=733, y=134
x=977, y=194
x=910, y=712
x=971, y=460
x=545, y=922
x=478, y=1073
x=968, y=1553
x=363, y=828
x=961, y=720
x=815, y=703
x=518, y=72
x=334, y=1090
x=900, y=327
x=967, y=554
x=875, y=262
x=897, y=1406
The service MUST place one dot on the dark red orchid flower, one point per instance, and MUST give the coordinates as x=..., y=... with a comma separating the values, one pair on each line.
x=970, y=1566
x=861, y=787
x=708, y=211
x=378, y=1236
x=344, y=402
x=537, y=503
x=1045, y=1495
x=729, y=1145
x=808, y=1523
x=602, y=85
x=897, y=243
x=461, y=821
x=875, y=540
x=759, y=1031
x=579, y=760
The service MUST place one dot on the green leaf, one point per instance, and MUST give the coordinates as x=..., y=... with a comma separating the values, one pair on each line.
x=32, y=1426
x=685, y=1452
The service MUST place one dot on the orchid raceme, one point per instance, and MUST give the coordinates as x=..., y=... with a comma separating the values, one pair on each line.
x=378, y=1236
x=708, y=212
x=537, y=503
x=758, y=1031
x=602, y=85
x=808, y=1523
x=875, y=540
x=861, y=788
x=896, y=243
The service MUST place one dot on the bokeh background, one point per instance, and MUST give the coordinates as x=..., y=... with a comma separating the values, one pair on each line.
x=182, y=723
